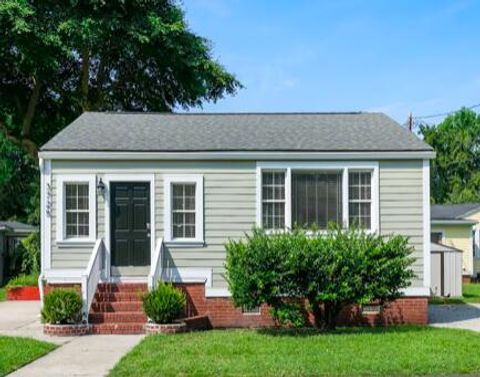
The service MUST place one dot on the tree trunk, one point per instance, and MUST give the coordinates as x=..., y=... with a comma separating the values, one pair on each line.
x=316, y=311
x=32, y=105
x=331, y=312
x=85, y=79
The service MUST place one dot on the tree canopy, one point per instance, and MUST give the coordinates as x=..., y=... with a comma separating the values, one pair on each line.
x=60, y=58
x=455, y=172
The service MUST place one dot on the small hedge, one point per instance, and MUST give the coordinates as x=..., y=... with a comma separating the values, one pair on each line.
x=62, y=306
x=164, y=304
x=23, y=281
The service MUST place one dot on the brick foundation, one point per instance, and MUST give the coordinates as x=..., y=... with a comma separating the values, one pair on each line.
x=223, y=314
x=65, y=330
x=173, y=328
x=467, y=279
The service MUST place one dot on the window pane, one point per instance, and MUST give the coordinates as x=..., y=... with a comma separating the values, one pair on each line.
x=360, y=193
x=76, y=207
x=183, y=210
x=273, y=200
x=316, y=198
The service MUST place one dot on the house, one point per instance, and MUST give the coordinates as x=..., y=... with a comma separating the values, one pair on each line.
x=138, y=197
x=458, y=226
x=11, y=234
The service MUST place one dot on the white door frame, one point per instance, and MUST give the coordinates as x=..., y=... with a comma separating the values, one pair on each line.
x=107, y=179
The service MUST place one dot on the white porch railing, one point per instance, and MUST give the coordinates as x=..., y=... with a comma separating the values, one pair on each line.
x=156, y=268
x=91, y=277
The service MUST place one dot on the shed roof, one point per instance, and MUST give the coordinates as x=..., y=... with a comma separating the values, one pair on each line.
x=201, y=132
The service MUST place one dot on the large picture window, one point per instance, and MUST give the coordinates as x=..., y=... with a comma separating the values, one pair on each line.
x=318, y=193
x=316, y=198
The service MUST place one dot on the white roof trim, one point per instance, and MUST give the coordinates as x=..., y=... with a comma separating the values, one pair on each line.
x=454, y=222
x=369, y=155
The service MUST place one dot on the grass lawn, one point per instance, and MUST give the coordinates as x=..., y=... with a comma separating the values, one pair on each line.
x=399, y=351
x=3, y=293
x=16, y=352
x=471, y=294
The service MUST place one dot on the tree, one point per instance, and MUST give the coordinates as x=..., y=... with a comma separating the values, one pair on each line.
x=60, y=58
x=455, y=172
x=331, y=270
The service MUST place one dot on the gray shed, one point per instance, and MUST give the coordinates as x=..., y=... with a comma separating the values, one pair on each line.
x=446, y=272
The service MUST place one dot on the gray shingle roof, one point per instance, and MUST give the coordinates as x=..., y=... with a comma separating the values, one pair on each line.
x=316, y=132
x=452, y=211
x=15, y=226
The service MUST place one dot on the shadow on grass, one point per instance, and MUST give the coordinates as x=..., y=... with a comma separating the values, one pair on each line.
x=310, y=331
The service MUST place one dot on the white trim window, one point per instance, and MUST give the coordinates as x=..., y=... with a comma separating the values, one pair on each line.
x=183, y=208
x=320, y=193
x=273, y=199
x=76, y=208
x=360, y=199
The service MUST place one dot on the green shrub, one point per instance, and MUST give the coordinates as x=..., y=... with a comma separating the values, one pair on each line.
x=23, y=280
x=164, y=304
x=331, y=269
x=62, y=306
x=289, y=315
x=25, y=259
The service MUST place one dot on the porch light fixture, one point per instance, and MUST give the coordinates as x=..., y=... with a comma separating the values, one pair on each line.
x=100, y=187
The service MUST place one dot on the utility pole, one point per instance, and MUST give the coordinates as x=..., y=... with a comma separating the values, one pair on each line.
x=410, y=122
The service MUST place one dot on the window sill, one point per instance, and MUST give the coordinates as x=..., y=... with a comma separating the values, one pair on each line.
x=185, y=243
x=76, y=242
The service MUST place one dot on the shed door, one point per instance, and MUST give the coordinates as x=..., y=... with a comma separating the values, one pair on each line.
x=130, y=223
x=437, y=274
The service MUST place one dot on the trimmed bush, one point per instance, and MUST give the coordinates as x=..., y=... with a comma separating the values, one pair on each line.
x=331, y=269
x=23, y=281
x=62, y=306
x=164, y=304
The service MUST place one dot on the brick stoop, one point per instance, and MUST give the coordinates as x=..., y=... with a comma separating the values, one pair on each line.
x=117, y=309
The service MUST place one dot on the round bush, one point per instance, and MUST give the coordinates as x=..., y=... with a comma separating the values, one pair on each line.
x=62, y=306
x=164, y=304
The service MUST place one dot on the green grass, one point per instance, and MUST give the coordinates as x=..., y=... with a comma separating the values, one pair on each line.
x=16, y=352
x=399, y=351
x=471, y=295
x=3, y=293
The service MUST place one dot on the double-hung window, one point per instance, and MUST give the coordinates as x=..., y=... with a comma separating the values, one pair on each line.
x=183, y=216
x=307, y=195
x=76, y=208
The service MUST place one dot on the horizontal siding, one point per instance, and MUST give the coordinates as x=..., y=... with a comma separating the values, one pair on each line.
x=401, y=206
x=229, y=208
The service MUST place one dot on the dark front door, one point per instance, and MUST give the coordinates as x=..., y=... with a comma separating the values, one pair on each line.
x=130, y=223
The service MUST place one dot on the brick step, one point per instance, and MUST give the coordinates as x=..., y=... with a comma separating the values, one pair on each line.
x=118, y=328
x=122, y=287
x=117, y=296
x=118, y=306
x=118, y=317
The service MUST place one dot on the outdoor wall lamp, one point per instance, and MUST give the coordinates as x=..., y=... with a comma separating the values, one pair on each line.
x=100, y=187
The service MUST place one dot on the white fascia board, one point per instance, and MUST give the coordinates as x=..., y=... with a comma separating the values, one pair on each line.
x=453, y=222
x=102, y=155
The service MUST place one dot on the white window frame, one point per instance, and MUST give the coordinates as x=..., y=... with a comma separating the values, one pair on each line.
x=343, y=166
x=62, y=180
x=168, y=180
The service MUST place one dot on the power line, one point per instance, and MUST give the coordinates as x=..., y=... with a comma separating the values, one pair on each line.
x=443, y=114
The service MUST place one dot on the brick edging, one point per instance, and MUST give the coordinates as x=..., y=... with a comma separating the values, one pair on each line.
x=65, y=330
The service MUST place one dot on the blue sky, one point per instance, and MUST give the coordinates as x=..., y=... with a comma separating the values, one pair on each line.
x=393, y=56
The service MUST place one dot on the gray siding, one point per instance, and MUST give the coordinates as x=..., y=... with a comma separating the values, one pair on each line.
x=229, y=208
x=401, y=205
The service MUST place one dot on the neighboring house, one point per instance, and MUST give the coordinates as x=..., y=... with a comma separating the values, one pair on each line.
x=458, y=226
x=11, y=233
x=142, y=197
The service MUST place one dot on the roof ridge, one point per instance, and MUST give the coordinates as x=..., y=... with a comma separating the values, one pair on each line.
x=237, y=113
